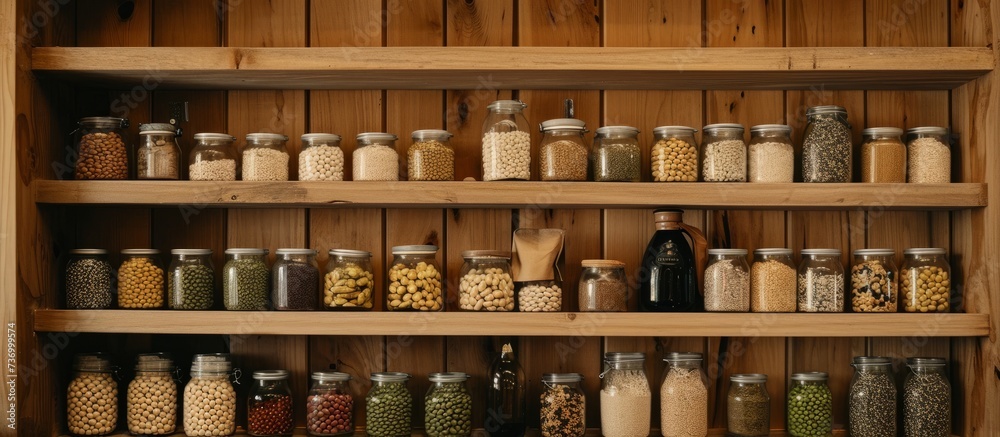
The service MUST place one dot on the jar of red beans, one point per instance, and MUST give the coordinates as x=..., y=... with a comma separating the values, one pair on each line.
x=330, y=406
x=269, y=408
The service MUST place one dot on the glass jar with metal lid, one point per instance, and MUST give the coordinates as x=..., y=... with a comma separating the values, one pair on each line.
x=772, y=281
x=158, y=155
x=376, y=158
x=486, y=284
x=101, y=149
x=626, y=400
x=349, y=280
x=810, y=405
x=430, y=158
x=724, y=153
x=246, y=280
x=616, y=156
x=88, y=279
x=827, y=145
x=928, y=155
x=771, y=155
x=321, y=158
x=151, y=407
x=684, y=396
x=874, y=281
x=191, y=280
x=603, y=286
x=925, y=278
x=748, y=406
x=821, y=281
x=269, y=406
x=295, y=280
x=140, y=279
x=213, y=158
x=415, y=279
x=563, y=408
x=926, y=399
x=330, y=405
x=265, y=157
x=727, y=281
x=448, y=405
x=675, y=154
x=389, y=405
x=506, y=142
x=209, y=397
x=563, y=151
x=883, y=155
x=92, y=396
x=872, y=398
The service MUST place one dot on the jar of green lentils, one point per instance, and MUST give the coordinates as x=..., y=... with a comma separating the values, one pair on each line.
x=616, y=156
x=245, y=280
x=191, y=279
x=389, y=405
x=810, y=405
x=448, y=405
x=749, y=406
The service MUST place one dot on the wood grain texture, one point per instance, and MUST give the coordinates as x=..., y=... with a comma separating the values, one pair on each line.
x=11, y=191
x=187, y=23
x=99, y=24
x=356, y=356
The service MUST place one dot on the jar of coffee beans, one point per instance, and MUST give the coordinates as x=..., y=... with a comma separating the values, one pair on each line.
x=88, y=279
x=772, y=281
x=810, y=405
x=430, y=158
x=506, y=142
x=209, y=397
x=883, y=155
x=246, y=280
x=269, y=405
x=684, y=396
x=724, y=154
x=820, y=281
x=448, y=406
x=330, y=405
x=295, y=278
x=321, y=158
x=675, y=154
x=872, y=398
x=486, y=284
x=771, y=155
x=388, y=405
x=925, y=280
x=626, y=399
x=415, y=279
x=376, y=158
x=563, y=408
x=827, y=145
x=92, y=396
x=191, y=280
x=926, y=399
x=140, y=280
x=603, y=286
x=928, y=155
x=265, y=157
x=539, y=296
x=727, y=281
x=151, y=407
x=616, y=156
x=748, y=406
x=101, y=149
x=349, y=280
x=874, y=281
x=563, y=152
x=158, y=155
x=213, y=158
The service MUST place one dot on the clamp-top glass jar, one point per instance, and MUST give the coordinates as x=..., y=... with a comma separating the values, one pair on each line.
x=675, y=154
x=191, y=280
x=269, y=406
x=349, y=280
x=771, y=155
x=724, y=154
x=727, y=281
x=564, y=151
x=158, y=155
x=810, y=405
x=827, y=145
x=926, y=399
x=874, y=281
x=626, y=400
x=448, y=406
x=88, y=279
x=295, y=277
x=415, y=279
x=506, y=142
x=883, y=155
x=684, y=396
x=821, y=281
x=872, y=398
x=321, y=158
x=92, y=396
x=486, y=284
x=213, y=158
x=330, y=405
x=772, y=281
x=748, y=405
x=101, y=149
x=209, y=397
x=563, y=408
x=603, y=286
x=389, y=405
x=376, y=158
x=246, y=280
x=430, y=158
x=151, y=407
x=140, y=280
x=928, y=155
x=925, y=277
x=265, y=157
x=616, y=156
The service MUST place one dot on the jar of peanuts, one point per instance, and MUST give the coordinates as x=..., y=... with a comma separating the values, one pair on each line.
x=158, y=154
x=140, y=279
x=92, y=396
x=330, y=406
x=928, y=155
x=349, y=280
x=925, y=278
x=269, y=407
x=152, y=396
x=213, y=158
x=564, y=151
x=430, y=158
x=415, y=279
x=506, y=142
x=675, y=154
x=101, y=149
x=724, y=154
x=265, y=157
x=321, y=158
x=209, y=397
x=883, y=155
x=486, y=284
x=376, y=159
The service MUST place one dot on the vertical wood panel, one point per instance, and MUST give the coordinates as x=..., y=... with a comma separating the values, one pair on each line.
x=100, y=25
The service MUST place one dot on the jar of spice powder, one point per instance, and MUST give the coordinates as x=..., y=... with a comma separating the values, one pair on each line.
x=827, y=145
x=295, y=280
x=616, y=156
x=883, y=155
x=563, y=151
x=626, y=400
x=928, y=155
x=684, y=396
x=269, y=406
x=603, y=286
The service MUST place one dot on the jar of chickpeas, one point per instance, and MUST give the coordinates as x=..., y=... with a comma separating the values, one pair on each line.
x=209, y=397
x=92, y=396
x=675, y=154
x=430, y=158
x=152, y=396
x=925, y=278
x=140, y=279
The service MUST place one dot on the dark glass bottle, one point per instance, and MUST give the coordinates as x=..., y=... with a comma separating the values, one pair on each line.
x=669, y=280
x=505, y=400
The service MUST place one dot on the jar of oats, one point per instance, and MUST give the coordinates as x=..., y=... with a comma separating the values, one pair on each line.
x=928, y=155
x=151, y=407
x=102, y=152
x=564, y=151
x=140, y=279
x=213, y=158
x=883, y=155
x=321, y=158
x=430, y=158
x=616, y=156
x=376, y=159
x=675, y=154
x=265, y=157
x=724, y=154
x=925, y=280
x=771, y=155
x=92, y=396
x=506, y=142
x=158, y=155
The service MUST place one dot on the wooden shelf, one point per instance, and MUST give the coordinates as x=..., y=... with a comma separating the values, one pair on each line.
x=591, y=432
x=517, y=67
x=797, y=196
x=516, y=324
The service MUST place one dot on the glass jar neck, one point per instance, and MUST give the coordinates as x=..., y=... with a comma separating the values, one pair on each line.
x=684, y=364
x=563, y=133
x=300, y=258
x=626, y=365
x=927, y=370
x=246, y=257
x=214, y=143
x=191, y=258
x=209, y=374
x=274, y=384
x=873, y=368
x=837, y=116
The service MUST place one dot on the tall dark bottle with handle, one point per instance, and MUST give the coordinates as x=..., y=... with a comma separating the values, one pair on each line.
x=505, y=401
x=672, y=266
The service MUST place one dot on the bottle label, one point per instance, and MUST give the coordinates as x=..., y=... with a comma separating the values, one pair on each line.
x=668, y=254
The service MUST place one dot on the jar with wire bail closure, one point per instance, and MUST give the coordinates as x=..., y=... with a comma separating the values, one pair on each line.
x=626, y=399
x=101, y=150
x=430, y=157
x=616, y=156
x=564, y=154
x=209, y=397
x=684, y=396
x=158, y=155
x=92, y=396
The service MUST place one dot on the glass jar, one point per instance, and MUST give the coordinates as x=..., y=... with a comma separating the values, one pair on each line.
x=616, y=156
x=321, y=158
x=212, y=158
x=349, y=280
x=883, y=155
x=671, y=264
x=140, y=279
x=506, y=403
x=448, y=406
x=269, y=406
x=376, y=158
x=684, y=396
x=415, y=279
x=727, y=281
x=151, y=407
x=772, y=281
x=265, y=157
x=191, y=280
x=928, y=155
x=563, y=155
x=926, y=399
x=330, y=406
x=821, y=281
x=563, y=408
x=872, y=398
x=92, y=396
x=675, y=154
x=389, y=405
x=771, y=155
x=748, y=406
x=539, y=296
x=246, y=280
x=724, y=154
x=810, y=405
x=101, y=149
x=430, y=158
x=506, y=142
x=603, y=286
x=626, y=400
x=158, y=155
x=209, y=397
x=88, y=279
x=827, y=145
x=874, y=281
x=486, y=284
x=295, y=277
x=926, y=279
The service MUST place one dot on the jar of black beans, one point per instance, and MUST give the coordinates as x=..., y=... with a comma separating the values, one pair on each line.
x=926, y=399
x=246, y=280
x=191, y=280
x=448, y=406
x=295, y=280
x=88, y=279
x=872, y=398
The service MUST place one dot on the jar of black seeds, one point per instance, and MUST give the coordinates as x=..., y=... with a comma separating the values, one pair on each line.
x=191, y=280
x=827, y=145
x=88, y=279
x=616, y=156
x=872, y=398
x=295, y=280
x=926, y=399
